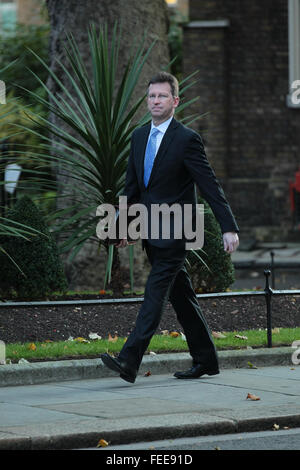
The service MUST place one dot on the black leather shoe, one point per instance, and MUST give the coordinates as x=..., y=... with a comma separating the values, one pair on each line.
x=196, y=371
x=125, y=371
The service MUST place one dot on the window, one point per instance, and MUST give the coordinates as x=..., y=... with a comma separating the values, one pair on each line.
x=293, y=98
x=8, y=15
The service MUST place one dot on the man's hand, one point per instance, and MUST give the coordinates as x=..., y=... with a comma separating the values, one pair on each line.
x=231, y=241
x=122, y=243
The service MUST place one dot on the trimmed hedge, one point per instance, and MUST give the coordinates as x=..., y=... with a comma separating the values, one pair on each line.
x=41, y=272
x=220, y=275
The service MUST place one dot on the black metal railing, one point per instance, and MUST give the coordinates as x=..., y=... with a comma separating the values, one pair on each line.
x=268, y=293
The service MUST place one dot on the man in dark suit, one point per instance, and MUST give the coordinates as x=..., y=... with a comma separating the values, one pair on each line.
x=166, y=160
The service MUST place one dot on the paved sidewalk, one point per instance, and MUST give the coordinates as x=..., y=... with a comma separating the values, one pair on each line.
x=285, y=253
x=76, y=413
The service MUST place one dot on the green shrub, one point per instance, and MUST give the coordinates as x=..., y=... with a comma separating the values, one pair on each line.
x=220, y=274
x=40, y=270
x=17, y=46
x=15, y=50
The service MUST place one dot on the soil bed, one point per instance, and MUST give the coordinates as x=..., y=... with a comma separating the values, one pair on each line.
x=56, y=322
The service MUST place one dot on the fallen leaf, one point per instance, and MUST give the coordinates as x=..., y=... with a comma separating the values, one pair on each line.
x=174, y=334
x=81, y=340
x=23, y=361
x=218, y=334
x=102, y=292
x=102, y=443
x=240, y=337
x=32, y=346
x=147, y=374
x=112, y=339
x=94, y=336
x=252, y=397
x=251, y=365
x=235, y=311
x=275, y=427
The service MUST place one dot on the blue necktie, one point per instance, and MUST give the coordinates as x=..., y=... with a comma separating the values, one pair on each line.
x=150, y=155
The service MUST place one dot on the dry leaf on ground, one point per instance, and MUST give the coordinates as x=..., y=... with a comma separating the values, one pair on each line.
x=174, y=334
x=23, y=361
x=275, y=330
x=240, y=337
x=81, y=340
x=252, y=397
x=251, y=365
x=112, y=339
x=147, y=374
x=94, y=336
x=218, y=334
x=102, y=443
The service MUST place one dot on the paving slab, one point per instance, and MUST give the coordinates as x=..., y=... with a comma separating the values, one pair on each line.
x=78, y=413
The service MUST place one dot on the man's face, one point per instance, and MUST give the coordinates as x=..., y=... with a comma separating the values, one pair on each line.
x=161, y=102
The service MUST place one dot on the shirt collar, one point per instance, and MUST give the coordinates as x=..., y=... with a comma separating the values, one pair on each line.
x=163, y=126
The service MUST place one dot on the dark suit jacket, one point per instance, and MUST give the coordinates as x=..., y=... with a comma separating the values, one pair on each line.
x=179, y=164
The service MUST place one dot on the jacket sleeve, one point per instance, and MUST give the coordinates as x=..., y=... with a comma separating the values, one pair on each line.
x=131, y=190
x=204, y=176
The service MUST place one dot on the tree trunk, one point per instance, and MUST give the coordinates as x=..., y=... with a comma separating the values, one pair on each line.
x=136, y=18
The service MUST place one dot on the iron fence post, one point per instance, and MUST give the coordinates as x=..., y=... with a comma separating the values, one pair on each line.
x=273, y=269
x=268, y=295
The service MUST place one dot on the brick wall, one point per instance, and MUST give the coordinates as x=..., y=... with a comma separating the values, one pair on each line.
x=252, y=137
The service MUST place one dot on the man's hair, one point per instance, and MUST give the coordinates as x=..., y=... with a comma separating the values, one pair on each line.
x=163, y=77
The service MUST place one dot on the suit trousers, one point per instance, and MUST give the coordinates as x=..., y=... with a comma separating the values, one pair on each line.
x=169, y=280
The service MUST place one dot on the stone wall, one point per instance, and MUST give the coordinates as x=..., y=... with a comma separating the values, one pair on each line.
x=252, y=138
x=30, y=12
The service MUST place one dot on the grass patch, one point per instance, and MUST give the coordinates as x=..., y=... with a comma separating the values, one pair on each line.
x=80, y=348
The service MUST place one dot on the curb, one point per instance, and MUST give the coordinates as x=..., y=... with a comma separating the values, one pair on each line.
x=79, y=369
x=136, y=430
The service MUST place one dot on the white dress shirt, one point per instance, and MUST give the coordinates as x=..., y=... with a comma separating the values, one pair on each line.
x=162, y=129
